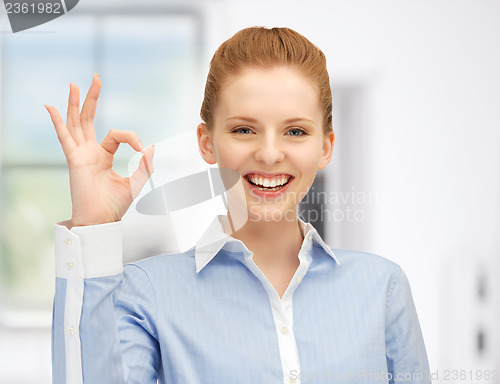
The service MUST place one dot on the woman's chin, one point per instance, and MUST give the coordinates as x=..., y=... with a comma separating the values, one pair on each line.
x=271, y=213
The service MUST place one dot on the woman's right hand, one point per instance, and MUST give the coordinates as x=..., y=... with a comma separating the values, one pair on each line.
x=98, y=194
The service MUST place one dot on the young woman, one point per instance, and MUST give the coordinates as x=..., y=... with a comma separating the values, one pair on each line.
x=268, y=303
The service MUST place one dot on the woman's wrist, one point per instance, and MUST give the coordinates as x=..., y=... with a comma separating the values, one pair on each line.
x=85, y=223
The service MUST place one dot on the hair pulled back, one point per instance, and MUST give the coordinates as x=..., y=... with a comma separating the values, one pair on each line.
x=267, y=47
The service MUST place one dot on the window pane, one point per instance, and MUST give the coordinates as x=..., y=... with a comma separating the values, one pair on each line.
x=32, y=200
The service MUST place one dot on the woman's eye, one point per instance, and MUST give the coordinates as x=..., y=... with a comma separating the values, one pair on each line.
x=297, y=132
x=244, y=130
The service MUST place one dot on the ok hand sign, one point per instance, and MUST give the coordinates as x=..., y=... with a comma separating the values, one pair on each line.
x=98, y=194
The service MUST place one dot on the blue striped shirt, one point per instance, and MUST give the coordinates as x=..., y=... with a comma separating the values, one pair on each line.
x=210, y=316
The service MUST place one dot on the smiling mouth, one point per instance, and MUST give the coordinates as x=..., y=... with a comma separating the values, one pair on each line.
x=268, y=184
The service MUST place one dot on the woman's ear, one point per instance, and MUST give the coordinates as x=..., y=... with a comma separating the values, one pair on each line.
x=328, y=142
x=205, y=143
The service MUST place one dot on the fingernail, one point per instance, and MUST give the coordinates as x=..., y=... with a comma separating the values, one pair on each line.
x=47, y=108
x=96, y=75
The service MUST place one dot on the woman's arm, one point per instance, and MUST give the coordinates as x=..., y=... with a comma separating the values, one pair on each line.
x=405, y=350
x=90, y=306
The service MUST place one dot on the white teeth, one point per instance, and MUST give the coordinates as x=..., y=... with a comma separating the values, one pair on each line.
x=269, y=183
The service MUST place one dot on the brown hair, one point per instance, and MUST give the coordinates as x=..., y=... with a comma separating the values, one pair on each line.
x=266, y=47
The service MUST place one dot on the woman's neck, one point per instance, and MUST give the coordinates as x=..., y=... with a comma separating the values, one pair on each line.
x=273, y=243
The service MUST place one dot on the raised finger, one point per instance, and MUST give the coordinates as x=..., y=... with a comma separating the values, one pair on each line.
x=73, y=116
x=89, y=107
x=67, y=142
x=116, y=136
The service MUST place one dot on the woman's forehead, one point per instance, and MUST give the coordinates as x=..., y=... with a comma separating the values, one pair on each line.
x=277, y=90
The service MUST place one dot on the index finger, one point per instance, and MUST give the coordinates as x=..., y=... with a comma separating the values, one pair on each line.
x=89, y=107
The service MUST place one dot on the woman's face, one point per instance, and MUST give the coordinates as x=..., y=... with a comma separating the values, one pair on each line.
x=268, y=127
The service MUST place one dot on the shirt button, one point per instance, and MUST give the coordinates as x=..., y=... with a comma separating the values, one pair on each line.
x=284, y=330
x=309, y=237
x=70, y=264
x=71, y=331
x=67, y=242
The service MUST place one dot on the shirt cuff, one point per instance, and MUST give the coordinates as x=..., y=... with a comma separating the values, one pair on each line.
x=89, y=251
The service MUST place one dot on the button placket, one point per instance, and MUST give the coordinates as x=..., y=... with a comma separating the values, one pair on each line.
x=282, y=313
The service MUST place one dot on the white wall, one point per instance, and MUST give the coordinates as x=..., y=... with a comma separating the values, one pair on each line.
x=431, y=72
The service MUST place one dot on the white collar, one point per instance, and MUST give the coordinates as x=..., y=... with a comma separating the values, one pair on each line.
x=214, y=238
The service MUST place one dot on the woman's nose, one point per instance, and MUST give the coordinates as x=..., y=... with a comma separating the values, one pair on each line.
x=269, y=150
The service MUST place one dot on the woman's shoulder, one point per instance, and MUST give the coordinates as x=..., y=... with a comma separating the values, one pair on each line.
x=367, y=272
x=361, y=260
x=164, y=262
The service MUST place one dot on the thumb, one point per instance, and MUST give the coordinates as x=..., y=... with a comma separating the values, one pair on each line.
x=143, y=172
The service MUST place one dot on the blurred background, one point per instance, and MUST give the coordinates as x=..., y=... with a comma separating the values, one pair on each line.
x=415, y=175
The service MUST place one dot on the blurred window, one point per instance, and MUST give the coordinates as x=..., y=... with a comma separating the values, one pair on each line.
x=150, y=71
